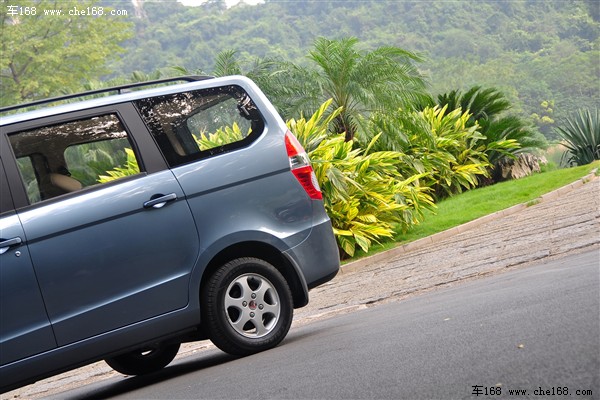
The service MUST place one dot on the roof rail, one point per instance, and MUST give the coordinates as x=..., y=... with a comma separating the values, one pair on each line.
x=119, y=89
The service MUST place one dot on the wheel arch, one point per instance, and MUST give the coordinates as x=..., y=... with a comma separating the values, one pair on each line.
x=265, y=252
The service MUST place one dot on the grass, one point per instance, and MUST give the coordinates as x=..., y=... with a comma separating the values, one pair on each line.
x=477, y=203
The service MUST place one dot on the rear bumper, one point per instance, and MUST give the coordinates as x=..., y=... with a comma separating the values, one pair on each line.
x=317, y=255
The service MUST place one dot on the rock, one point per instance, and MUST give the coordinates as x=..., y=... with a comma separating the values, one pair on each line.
x=523, y=165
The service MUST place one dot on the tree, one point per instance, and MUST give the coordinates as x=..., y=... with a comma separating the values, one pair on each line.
x=44, y=55
x=359, y=82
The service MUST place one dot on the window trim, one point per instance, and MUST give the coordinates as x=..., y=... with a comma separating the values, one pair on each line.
x=6, y=201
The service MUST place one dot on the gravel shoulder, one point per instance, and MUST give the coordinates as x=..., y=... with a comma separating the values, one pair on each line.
x=563, y=222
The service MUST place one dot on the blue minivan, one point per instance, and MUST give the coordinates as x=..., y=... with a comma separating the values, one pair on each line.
x=148, y=216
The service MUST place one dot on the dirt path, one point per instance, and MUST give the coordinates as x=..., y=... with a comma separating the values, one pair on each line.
x=563, y=222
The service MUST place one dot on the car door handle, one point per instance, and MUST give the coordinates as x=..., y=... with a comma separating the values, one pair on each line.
x=160, y=201
x=8, y=243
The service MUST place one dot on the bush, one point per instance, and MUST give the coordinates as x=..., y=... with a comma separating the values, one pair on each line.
x=581, y=133
x=438, y=145
x=364, y=193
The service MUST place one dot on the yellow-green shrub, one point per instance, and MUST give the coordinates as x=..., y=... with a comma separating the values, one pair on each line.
x=364, y=193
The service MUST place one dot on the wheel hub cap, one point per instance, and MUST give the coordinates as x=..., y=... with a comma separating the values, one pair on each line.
x=252, y=305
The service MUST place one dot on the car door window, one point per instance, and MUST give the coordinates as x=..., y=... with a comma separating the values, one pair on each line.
x=67, y=157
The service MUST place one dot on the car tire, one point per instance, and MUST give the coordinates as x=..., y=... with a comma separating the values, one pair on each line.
x=144, y=361
x=247, y=307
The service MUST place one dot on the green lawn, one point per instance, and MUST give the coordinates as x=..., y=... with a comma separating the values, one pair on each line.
x=479, y=202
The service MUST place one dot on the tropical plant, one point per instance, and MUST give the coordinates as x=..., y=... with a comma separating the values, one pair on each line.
x=503, y=135
x=223, y=136
x=363, y=191
x=457, y=156
x=227, y=62
x=358, y=82
x=581, y=134
x=506, y=137
x=129, y=168
x=488, y=108
x=440, y=145
x=481, y=103
x=87, y=161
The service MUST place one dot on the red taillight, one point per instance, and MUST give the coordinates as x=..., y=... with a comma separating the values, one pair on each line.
x=301, y=168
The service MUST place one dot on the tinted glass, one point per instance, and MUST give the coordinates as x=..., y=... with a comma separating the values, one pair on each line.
x=63, y=158
x=192, y=125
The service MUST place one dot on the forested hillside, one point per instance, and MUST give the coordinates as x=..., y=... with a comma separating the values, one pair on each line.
x=544, y=55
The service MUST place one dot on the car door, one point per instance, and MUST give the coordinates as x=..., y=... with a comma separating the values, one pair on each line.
x=117, y=247
x=24, y=326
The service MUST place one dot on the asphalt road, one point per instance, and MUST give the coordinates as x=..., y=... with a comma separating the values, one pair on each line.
x=535, y=329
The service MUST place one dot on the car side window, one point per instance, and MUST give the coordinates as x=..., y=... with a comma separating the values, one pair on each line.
x=198, y=124
x=68, y=157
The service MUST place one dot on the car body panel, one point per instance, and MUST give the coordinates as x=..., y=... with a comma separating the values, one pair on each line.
x=136, y=262
x=25, y=329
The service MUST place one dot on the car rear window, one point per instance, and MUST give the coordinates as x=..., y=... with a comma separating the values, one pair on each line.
x=193, y=125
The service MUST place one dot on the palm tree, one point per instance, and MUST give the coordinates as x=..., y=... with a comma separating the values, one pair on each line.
x=362, y=82
x=358, y=81
x=227, y=63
